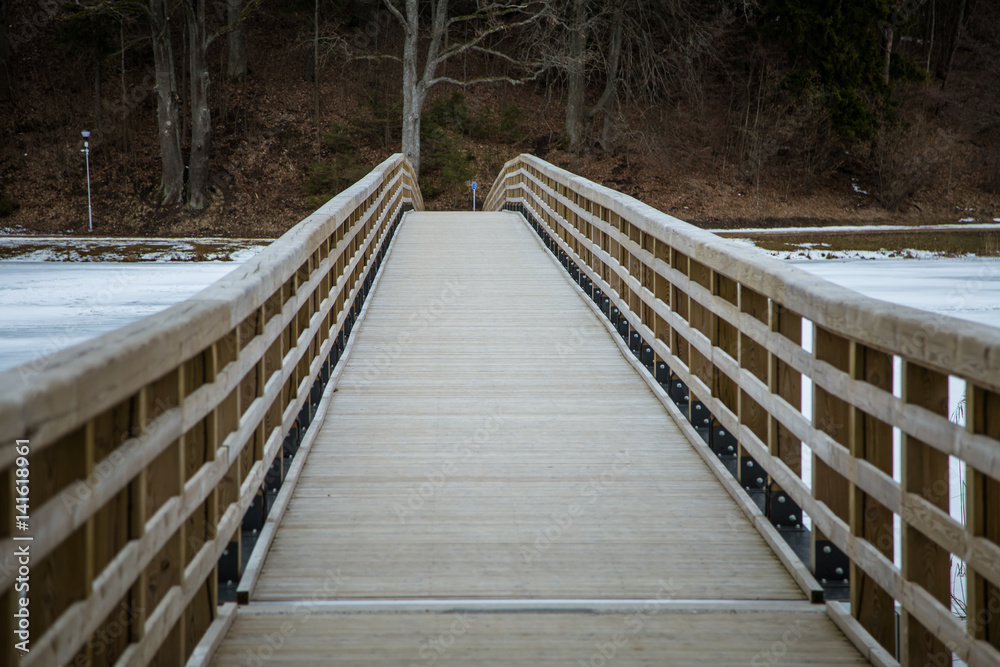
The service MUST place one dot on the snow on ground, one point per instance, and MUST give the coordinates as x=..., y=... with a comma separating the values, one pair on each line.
x=98, y=249
x=48, y=306
x=863, y=228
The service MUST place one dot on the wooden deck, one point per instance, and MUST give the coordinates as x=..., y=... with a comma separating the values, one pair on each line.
x=495, y=484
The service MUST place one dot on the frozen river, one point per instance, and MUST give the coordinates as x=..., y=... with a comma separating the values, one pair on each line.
x=47, y=306
x=967, y=288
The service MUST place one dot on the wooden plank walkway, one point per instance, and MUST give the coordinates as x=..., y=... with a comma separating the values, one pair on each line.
x=488, y=449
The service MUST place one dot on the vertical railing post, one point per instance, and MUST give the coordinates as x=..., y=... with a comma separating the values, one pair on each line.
x=983, y=517
x=753, y=358
x=925, y=474
x=830, y=415
x=785, y=382
x=871, y=441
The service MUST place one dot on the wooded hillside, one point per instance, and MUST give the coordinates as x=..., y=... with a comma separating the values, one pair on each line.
x=238, y=117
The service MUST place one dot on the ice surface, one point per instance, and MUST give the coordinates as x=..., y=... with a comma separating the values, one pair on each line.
x=48, y=306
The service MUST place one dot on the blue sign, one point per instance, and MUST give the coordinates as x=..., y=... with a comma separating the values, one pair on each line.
x=473, y=185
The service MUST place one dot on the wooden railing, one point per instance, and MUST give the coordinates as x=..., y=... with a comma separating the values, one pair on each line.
x=141, y=451
x=721, y=325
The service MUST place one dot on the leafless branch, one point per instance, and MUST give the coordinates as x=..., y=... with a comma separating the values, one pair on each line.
x=395, y=12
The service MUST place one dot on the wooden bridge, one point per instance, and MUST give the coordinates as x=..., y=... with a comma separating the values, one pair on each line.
x=565, y=431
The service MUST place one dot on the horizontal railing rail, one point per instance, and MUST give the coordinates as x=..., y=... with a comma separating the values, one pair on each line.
x=131, y=461
x=721, y=328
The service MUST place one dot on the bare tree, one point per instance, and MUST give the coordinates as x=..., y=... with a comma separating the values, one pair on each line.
x=489, y=19
x=236, y=63
x=956, y=37
x=576, y=76
x=168, y=119
x=642, y=50
x=6, y=53
x=199, y=39
x=158, y=14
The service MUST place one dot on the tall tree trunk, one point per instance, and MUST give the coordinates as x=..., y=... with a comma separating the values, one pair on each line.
x=607, y=102
x=98, y=119
x=6, y=54
x=577, y=84
x=201, y=117
x=315, y=68
x=953, y=47
x=413, y=92
x=167, y=114
x=887, y=36
x=236, y=67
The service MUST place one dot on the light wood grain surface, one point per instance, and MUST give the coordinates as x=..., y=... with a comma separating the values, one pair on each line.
x=638, y=637
x=507, y=450
x=487, y=441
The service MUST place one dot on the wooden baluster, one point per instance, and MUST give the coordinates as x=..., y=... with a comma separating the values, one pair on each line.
x=871, y=440
x=983, y=521
x=785, y=382
x=753, y=357
x=925, y=473
x=831, y=415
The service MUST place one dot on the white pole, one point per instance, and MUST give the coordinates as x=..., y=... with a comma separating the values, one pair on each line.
x=86, y=152
x=90, y=208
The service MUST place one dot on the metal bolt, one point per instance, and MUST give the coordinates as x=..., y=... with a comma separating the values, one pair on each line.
x=722, y=433
x=791, y=517
x=839, y=571
x=697, y=407
x=827, y=550
x=822, y=581
x=730, y=448
x=760, y=481
x=749, y=464
x=781, y=499
x=225, y=552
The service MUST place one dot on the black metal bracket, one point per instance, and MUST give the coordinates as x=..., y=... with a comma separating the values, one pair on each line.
x=784, y=512
x=699, y=415
x=752, y=474
x=679, y=393
x=722, y=442
x=663, y=374
x=229, y=564
x=256, y=513
x=833, y=567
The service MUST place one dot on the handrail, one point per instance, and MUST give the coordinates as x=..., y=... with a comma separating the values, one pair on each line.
x=721, y=326
x=149, y=444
